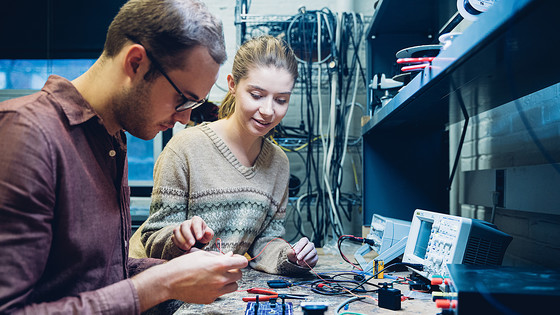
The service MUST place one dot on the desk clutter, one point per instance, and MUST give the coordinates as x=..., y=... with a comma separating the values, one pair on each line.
x=422, y=267
x=340, y=288
x=467, y=290
x=434, y=263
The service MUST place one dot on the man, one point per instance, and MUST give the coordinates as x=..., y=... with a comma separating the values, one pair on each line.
x=64, y=198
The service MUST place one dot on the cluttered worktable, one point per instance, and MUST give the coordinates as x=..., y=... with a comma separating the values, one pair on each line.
x=413, y=302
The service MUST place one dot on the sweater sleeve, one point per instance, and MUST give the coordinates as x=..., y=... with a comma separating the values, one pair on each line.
x=274, y=259
x=169, y=205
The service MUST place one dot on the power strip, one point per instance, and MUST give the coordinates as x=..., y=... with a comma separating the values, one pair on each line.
x=267, y=308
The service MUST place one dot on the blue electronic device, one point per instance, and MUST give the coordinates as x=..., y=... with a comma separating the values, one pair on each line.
x=269, y=308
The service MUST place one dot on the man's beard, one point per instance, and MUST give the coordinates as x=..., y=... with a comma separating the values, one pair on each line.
x=131, y=108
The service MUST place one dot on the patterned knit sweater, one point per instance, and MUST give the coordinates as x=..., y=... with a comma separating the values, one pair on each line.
x=197, y=174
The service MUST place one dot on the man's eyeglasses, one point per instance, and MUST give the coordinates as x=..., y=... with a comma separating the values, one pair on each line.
x=186, y=103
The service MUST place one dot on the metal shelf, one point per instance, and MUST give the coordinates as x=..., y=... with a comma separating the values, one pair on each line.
x=499, y=58
x=260, y=19
x=496, y=60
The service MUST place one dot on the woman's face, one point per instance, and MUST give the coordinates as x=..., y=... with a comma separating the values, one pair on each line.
x=261, y=99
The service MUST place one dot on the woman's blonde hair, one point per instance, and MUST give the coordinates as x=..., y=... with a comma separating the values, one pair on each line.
x=262, y=51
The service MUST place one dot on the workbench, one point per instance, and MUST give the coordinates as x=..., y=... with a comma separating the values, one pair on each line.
x=232, y=303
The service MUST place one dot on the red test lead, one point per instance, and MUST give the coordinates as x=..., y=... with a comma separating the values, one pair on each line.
x=436, y=281
x=441, y=303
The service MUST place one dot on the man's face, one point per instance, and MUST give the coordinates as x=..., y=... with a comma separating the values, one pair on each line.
x=149, y=107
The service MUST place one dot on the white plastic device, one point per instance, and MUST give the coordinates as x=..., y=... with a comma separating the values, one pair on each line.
x=384, y=83
x=471, y=9
x=389, y=236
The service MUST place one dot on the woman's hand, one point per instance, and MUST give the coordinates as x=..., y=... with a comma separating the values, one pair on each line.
x=188, y=233
x=304, y=253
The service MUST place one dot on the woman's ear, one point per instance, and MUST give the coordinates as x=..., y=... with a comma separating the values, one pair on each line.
x=231, y=84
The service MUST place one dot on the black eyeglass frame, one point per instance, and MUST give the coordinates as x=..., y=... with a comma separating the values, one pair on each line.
x=187, y=103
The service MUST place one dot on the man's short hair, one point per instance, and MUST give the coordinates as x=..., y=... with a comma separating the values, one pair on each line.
x=166, y=28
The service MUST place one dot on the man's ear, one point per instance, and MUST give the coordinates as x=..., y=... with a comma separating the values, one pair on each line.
x=135, y=61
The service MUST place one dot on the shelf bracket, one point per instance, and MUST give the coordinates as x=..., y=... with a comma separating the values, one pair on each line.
x=463, y=134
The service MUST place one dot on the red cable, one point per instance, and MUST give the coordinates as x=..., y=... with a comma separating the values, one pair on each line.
x=415, y=60
x=340, y=249
x=415, y=67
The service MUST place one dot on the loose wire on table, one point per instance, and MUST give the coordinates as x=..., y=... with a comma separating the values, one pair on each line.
x=346, y=302
x=339, y=245
x=327, y=283
x=332, y=284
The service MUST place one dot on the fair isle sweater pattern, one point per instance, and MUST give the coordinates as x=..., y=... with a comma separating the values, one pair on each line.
x=197, y=174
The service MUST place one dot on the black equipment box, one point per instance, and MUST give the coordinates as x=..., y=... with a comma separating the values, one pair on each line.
x=504, y=290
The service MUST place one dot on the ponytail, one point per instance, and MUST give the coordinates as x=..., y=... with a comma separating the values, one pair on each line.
x=228, y=106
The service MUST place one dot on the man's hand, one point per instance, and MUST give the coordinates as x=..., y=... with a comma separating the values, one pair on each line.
x=190, y=231
x=304, y=253
x=199, y=277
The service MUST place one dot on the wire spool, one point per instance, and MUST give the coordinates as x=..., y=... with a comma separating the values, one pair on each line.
x=303, y=36
x=294, y=185
x=471, y=9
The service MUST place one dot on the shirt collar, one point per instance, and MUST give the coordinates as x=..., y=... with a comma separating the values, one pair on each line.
x=74, y=106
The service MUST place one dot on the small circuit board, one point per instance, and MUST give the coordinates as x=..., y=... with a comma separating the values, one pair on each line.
x=268, y=308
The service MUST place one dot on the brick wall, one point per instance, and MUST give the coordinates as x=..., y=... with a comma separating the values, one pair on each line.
x=502, y=139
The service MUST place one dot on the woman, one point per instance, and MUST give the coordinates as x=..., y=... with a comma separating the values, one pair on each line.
x=225, y=179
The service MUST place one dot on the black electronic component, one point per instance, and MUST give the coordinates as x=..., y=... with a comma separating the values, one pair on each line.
x=389, y=297
x=199, y=245
x=504, y=290
x=310, y=308
x=278, y=283
x=419, y=283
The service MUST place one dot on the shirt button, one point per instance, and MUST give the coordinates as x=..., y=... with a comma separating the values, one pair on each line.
x=112, y=153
